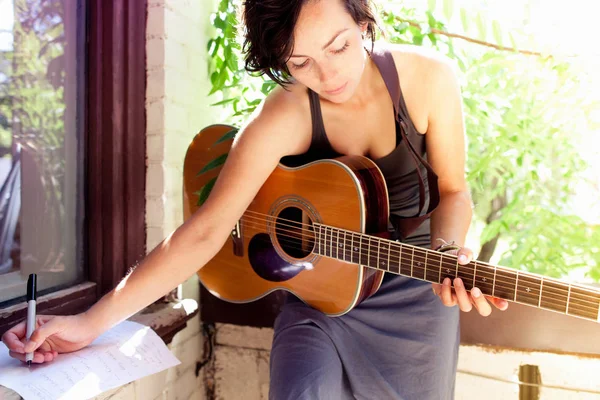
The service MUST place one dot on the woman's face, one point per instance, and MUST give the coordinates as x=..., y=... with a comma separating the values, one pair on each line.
x=328, y=55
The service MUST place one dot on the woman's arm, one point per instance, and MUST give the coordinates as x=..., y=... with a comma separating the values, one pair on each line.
x=278, y=128
x=446, y=152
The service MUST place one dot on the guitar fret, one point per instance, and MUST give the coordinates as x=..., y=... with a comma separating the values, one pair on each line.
x=568, y=298
x=474, y=272
x=431, y=274
x=389, y=255
x=440, y=274
x=355, y=252
x=494, y=284
x=555, y=297
x=504, y=287
x=465, y=272
x=516, y=285
x=383, y=265
x=324, y=241
x=368, y=251
x=529, y=289
x=425, y=271
x=378, y=250
x=484, y=277
x=319, y=240
x=583, y=303
x=337, y=247
x=405, y=261
x=343, y=245
x=412, y=262
x=541, y=288
x=419, y=265
x=331, y=243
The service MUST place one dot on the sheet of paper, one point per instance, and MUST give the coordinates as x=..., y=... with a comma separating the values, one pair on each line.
x=127, y=352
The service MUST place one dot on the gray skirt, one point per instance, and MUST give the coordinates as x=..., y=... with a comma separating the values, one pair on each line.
x=401, y=343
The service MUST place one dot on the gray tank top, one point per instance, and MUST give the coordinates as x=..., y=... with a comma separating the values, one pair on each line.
x=411, y=182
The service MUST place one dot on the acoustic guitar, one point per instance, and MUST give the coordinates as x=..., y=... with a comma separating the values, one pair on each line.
x=312, y=230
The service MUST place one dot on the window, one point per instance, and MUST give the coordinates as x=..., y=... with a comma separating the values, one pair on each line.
x=41, y=136
x=72, y=125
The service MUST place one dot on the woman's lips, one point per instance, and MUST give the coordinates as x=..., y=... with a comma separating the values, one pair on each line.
x=338, y=90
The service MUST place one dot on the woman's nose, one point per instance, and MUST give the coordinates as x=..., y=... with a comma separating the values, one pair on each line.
x=327, y=72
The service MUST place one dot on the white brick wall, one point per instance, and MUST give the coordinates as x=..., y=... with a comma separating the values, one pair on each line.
x=177, y=108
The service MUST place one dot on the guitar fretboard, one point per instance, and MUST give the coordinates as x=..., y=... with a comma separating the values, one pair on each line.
x=432, y=266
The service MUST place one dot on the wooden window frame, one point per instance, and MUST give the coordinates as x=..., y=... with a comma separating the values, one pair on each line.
x=115, y=159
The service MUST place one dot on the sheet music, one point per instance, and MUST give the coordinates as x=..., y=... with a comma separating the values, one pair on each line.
x=125, y=353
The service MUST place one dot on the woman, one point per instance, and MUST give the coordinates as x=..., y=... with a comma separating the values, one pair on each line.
x=339, y=94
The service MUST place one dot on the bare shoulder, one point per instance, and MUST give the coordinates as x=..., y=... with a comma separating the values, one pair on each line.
x=283, y=116
x=421, y=60
x=426, y=77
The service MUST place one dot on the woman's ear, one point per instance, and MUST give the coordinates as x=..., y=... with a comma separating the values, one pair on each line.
x=363, y=28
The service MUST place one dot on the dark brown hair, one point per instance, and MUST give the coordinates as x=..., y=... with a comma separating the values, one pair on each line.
x=268, y=26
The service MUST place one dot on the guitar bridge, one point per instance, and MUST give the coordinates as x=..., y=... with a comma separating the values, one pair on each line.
x=238, y=241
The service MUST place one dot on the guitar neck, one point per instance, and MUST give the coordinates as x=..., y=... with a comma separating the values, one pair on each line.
x=431, y=266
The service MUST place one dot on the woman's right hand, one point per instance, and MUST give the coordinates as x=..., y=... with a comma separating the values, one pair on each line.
x=53, y=335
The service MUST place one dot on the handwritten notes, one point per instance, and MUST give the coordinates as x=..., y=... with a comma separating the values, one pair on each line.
x=127, y=352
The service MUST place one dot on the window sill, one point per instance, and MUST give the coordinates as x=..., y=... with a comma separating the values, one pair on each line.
x=168, y=318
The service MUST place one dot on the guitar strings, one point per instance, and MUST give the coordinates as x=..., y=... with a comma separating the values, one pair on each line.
x=436, y=271
x=268, y=218
x=548, y=299
x=424, y=253
x=421, y=252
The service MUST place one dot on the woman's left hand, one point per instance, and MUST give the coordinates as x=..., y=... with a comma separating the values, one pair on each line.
x=459, y=294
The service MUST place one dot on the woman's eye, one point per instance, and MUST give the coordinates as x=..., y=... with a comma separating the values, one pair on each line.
x=297, y=66
x=338, y=51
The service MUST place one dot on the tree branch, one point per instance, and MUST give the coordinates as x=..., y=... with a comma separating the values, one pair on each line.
x=472, y=40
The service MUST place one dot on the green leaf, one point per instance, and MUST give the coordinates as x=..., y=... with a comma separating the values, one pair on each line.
x=464, y=17
x=223, y=102
x=513, y=41
x=205, y=191
x=229, y=135
x=497, y=32
x=216, y=163
x=448, y=9
x=481, y=26
x=431, y=5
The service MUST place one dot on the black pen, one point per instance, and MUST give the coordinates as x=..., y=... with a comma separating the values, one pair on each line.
x=31, y=301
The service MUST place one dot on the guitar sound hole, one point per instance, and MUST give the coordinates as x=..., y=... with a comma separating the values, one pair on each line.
x=294, y=232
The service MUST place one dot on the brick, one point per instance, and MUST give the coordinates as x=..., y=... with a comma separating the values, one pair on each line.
x=151, y=386
x=189, y=353
x=236, y=373
x=193, y=328
x=155, y=52
x=185, y=385
x=155, y=25
x=244, y=336
x=155, y=147
x=155, y=211
x=126, y=392
x=176, y=121
x=178, y=25
x=176, y=56
x=153, y=237
x=263, y=374
x=155, y=84
x=155, y=179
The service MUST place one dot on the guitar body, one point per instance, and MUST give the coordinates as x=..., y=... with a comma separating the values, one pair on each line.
x=271, y=248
